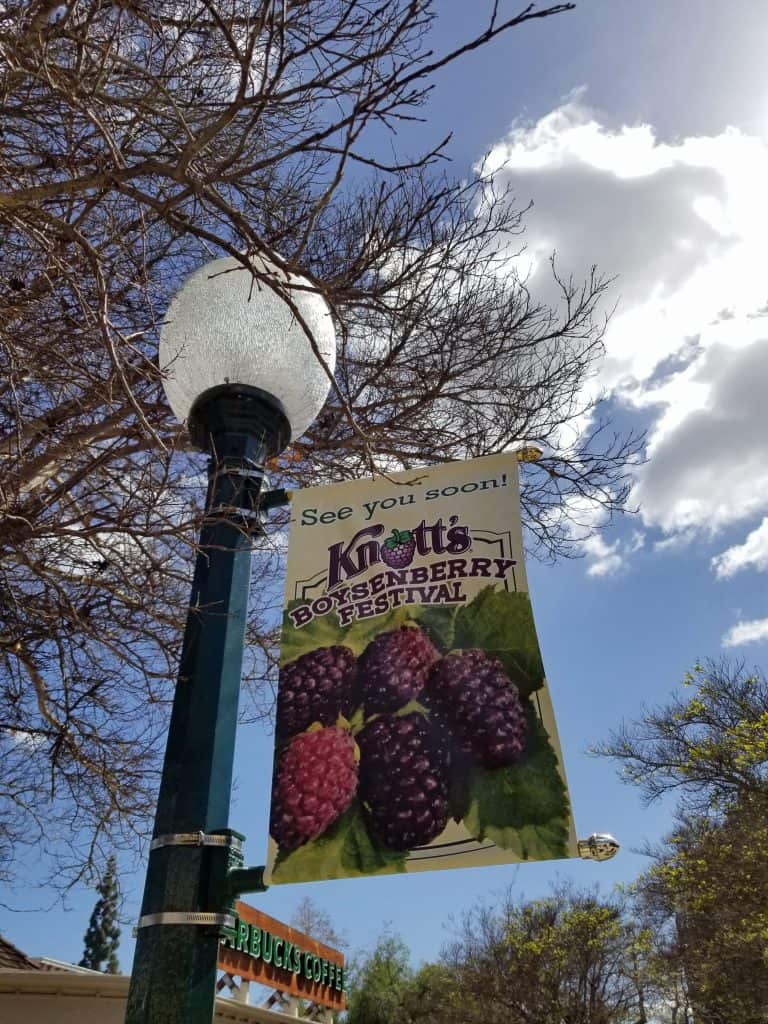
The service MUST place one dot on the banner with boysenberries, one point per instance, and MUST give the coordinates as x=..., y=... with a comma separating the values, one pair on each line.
x=414, y=725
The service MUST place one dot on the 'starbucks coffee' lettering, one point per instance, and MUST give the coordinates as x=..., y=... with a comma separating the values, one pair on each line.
x=271, y=949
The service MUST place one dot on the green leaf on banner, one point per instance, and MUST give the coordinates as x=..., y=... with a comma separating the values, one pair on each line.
x=409, y=708
x=320, y=632
x=501, y=623
x=439, y=620
x=459, y=792
x=346, y=850
x=523, y=808
x=357, y=721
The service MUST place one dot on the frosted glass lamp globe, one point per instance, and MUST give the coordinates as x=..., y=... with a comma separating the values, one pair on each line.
x=225, y=328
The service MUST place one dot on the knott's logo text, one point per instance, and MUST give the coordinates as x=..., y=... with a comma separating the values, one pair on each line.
x=399, y=583
x=346, y=561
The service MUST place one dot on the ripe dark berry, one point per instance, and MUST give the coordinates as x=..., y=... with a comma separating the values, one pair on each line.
x=403, y=780
x=393, y=669
x=473, y=694
x=315, y=781
x=317, y=687
x=398, y=550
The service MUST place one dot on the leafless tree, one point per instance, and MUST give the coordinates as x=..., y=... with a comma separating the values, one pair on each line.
x=311, y=919
x=138, y=139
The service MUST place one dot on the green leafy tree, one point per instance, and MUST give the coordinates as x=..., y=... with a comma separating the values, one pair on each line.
x=571, y=957
x=708, y=888
x=709, y=885
x=661, y=972
x=103, y=935
x=707, y=744
x=433, y=996
x=379, y=983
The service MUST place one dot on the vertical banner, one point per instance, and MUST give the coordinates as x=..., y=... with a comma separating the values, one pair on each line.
x=414, y=725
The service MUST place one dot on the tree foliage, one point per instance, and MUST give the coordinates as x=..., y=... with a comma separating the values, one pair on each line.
x=707, y=889
x=103, y=935
x=708, y=745
x=432, y=996
x=378, y=983
x=707, y=892
x=573, y=957
x=139, y=140
x=570, y=957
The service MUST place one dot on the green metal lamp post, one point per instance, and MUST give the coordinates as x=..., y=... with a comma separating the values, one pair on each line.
x=241, y=371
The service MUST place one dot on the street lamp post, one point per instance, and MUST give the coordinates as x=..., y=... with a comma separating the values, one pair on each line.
x=241, y=371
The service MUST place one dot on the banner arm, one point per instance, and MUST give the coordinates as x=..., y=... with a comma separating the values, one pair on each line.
x=274, y=498
x=241, y=880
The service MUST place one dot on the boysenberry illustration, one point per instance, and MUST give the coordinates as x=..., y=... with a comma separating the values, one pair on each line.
x=403, y=780
x=475, y=697
x=393, y=669
x=398, y=550
x=314, y=784
x=316, y=687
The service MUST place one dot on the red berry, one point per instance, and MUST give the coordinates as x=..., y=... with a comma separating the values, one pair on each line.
x=315, y=781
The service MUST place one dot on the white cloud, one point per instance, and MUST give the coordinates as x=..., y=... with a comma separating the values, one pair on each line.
x=749, y=632
x=683, y=226
x=81, y=557
x=753, y=553
x=676, y=541
x=23, y=738
x=707, y=467
x=606, y=559
x=586, y=523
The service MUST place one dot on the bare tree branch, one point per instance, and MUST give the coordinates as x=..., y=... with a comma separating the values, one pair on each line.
x=137, y=141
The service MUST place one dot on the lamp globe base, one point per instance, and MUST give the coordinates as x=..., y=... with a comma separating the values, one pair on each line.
x=225, y=421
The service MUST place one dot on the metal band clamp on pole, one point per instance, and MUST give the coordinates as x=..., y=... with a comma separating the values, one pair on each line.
x=196, y=839
x=181, y=917
x=250, y=474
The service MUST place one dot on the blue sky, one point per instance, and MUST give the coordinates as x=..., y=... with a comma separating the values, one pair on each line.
x=640, y=132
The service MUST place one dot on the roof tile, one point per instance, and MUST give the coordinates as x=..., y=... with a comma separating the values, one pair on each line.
x=12, y=959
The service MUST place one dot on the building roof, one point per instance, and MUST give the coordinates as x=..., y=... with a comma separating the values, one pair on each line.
x=47, y=963
x=12, y=959
x=101, y=994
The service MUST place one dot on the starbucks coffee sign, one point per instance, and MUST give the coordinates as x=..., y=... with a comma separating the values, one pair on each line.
x=261, y=949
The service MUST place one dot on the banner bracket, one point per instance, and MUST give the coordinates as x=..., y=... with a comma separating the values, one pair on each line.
x=240, y=880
